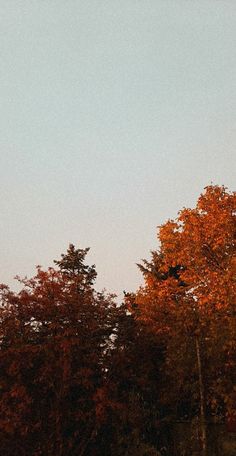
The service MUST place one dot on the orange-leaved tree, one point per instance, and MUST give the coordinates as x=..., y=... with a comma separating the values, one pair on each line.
x=189, y=301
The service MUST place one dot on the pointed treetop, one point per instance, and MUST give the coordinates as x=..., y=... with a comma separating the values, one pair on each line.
x=72, y=264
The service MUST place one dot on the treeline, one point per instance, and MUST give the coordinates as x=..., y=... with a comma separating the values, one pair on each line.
x=81, y=375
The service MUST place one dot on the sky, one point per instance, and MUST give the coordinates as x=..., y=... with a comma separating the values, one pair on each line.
x=114, y=114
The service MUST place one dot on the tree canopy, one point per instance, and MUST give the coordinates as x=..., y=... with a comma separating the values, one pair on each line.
x=82, y=375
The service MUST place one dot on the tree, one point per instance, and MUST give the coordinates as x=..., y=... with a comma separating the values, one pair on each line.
x=80, y=375
x=189, y=301
x=129, y=398
x=54, y=336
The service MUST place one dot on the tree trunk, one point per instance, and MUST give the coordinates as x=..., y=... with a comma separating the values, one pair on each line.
x=202, y=401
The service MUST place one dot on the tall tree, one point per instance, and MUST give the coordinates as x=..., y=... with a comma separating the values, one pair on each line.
x=189, y=300
x=128, y=402
x=54, y=337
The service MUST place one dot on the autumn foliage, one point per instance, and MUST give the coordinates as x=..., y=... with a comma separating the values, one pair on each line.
x=81, y=375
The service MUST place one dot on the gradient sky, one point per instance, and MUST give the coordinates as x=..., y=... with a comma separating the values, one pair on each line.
x=113, y=116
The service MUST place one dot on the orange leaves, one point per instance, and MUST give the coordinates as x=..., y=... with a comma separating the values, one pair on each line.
x=190, y=287
x=73, y=365
x=200, y=243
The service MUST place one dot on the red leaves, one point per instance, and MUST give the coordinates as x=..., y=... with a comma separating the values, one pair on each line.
x=53, y=336
x=73, y=365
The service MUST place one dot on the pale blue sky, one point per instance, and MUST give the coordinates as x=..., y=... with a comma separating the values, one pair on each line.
x=113, y=116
